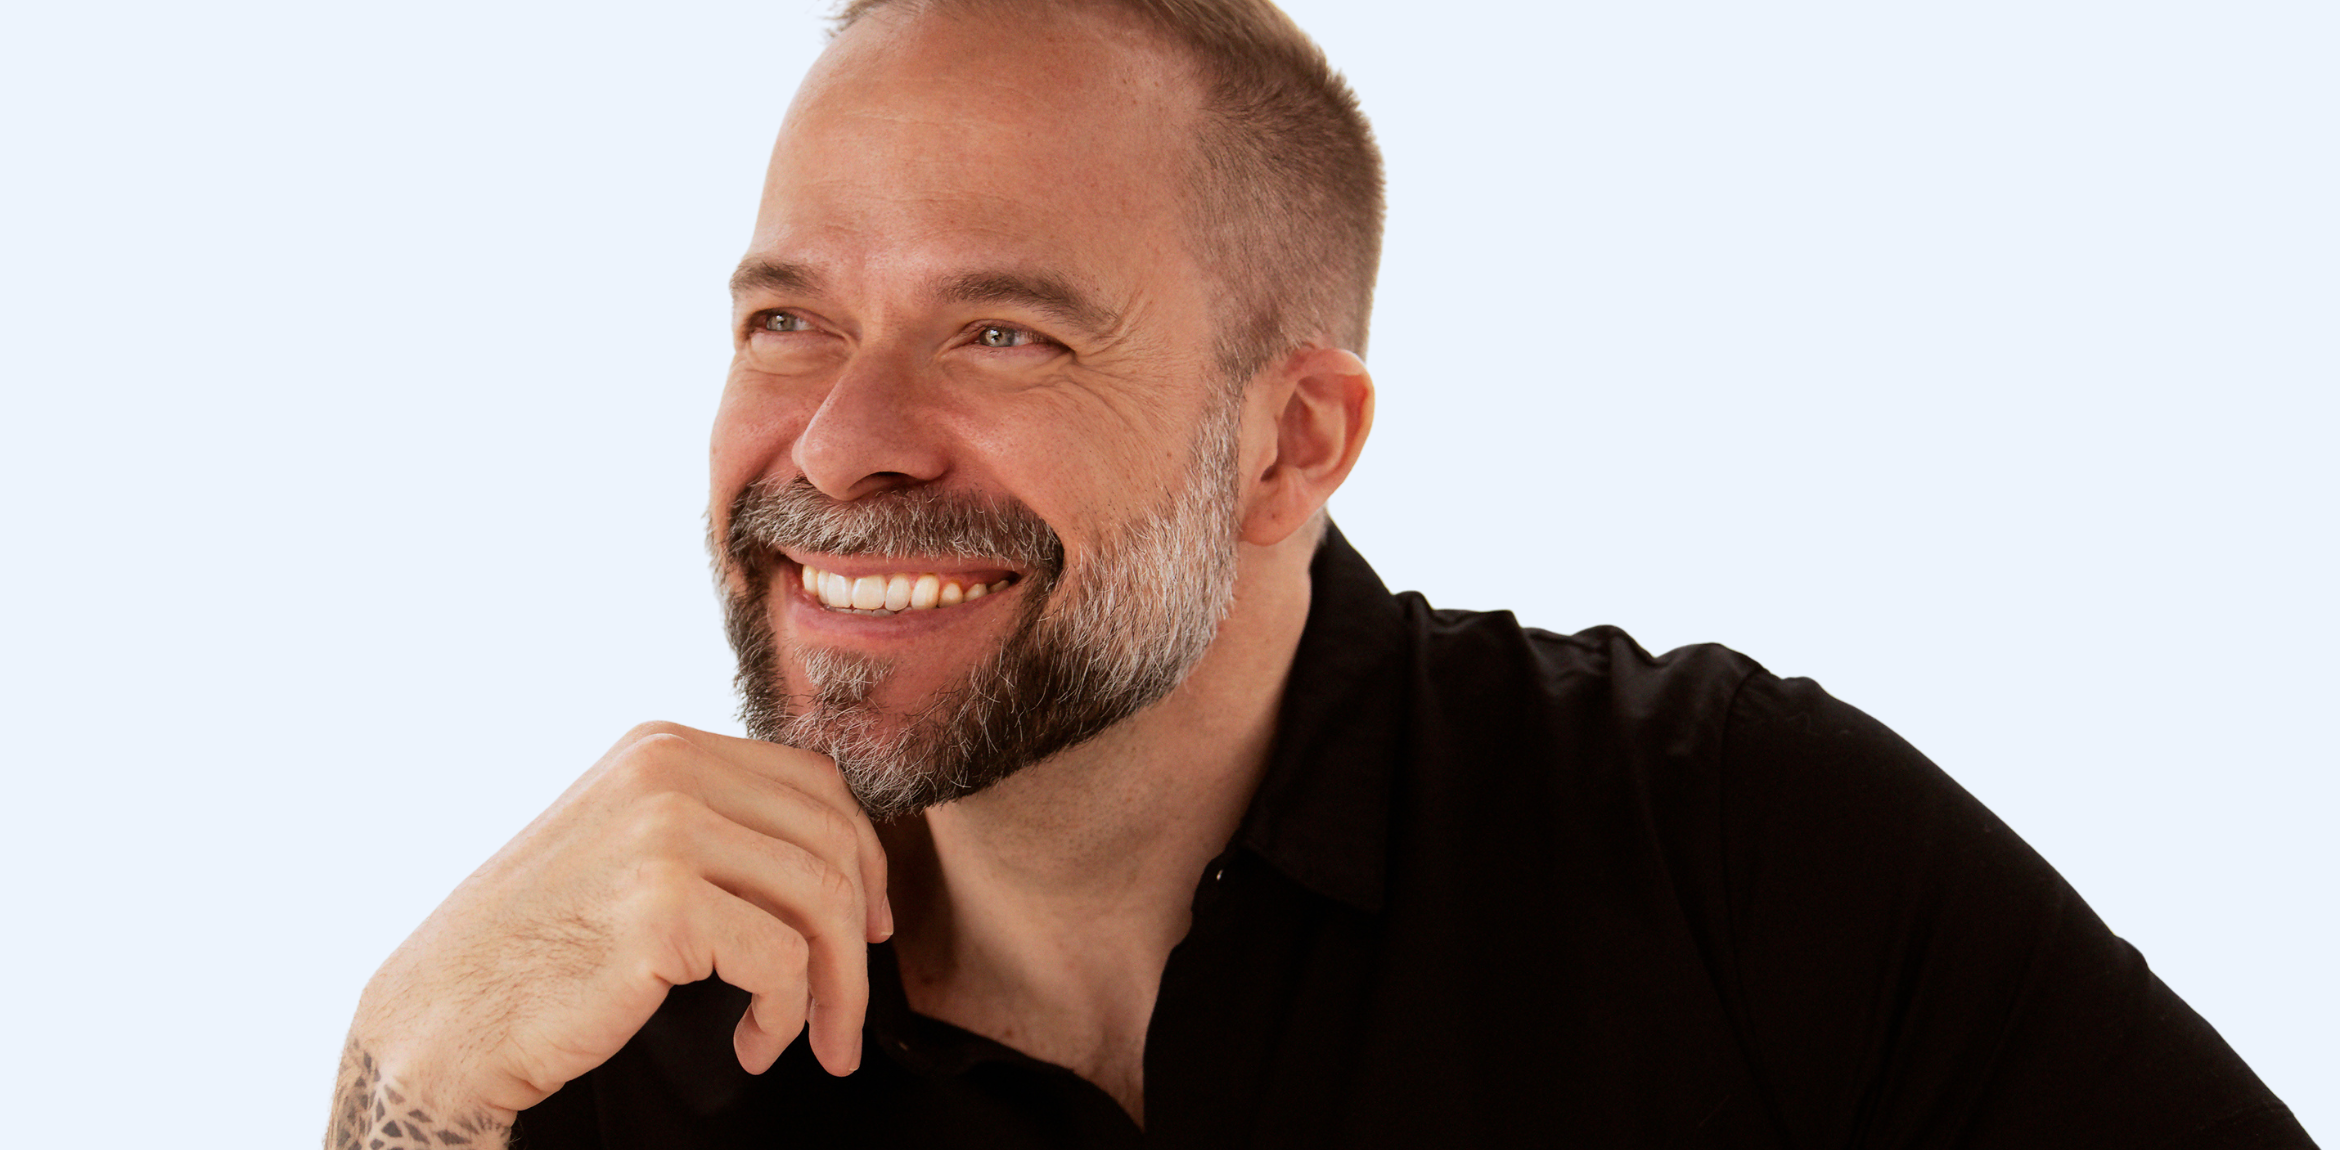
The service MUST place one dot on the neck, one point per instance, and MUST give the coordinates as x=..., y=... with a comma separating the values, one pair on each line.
x=1041, y=911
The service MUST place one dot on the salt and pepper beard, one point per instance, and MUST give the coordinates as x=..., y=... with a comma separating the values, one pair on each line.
x=1093, y=643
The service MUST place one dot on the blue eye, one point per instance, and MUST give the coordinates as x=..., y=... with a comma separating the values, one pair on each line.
x=999, y=335
x=785, y=321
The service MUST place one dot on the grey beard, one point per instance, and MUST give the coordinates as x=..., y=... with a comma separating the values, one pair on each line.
x=1093, y=643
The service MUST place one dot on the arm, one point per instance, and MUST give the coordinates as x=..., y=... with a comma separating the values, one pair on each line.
x=371, y=1113
x=682, y=855
x=1911, y=974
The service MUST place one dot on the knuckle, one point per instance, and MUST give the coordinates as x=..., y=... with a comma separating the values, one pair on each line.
x=641, y=731
x=790, y=947
x=670, y=807
x=840, y=839
x=680, y=957
x=663, y=823
x=665, y=747
x=654, y=761
x=821, y=890
x=837, y=891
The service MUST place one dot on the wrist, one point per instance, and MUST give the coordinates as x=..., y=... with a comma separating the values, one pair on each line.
x=389, y=1104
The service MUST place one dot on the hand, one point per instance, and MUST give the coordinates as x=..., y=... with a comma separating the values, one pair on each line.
x=681, y=854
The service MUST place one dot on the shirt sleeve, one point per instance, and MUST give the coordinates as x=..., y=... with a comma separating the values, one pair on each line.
x=1911, y=974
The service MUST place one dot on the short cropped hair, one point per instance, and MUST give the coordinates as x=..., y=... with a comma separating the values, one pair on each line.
x=1286, y=192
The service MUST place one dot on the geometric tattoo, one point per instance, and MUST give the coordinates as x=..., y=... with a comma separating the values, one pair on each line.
x=369, y=1114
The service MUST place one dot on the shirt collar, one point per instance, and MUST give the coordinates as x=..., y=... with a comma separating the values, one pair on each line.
x=1322, y=812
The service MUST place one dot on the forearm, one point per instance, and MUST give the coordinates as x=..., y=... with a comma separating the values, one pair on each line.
x=372, y=1111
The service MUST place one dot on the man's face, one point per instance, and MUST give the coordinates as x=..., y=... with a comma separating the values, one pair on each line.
x=973, y=394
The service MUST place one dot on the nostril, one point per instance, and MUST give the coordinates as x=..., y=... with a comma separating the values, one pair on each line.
x=880, y=483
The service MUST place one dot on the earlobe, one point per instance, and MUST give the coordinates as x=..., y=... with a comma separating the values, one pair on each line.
x=1323, y=411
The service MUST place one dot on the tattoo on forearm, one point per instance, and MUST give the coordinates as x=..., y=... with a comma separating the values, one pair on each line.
x=371, y=1114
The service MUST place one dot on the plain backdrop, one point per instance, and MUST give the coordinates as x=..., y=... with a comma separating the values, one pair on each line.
x=1977, y=360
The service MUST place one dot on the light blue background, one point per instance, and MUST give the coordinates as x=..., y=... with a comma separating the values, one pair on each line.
x=1977, y=360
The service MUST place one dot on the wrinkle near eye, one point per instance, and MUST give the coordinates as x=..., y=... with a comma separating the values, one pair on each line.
x=1130, y=400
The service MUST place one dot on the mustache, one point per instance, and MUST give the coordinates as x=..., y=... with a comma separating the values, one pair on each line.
x=770, y=516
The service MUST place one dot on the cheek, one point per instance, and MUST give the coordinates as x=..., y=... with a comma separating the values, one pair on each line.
x=1088, y=481
x=754, y=425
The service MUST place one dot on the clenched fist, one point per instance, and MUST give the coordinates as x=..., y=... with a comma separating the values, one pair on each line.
x=681, y=854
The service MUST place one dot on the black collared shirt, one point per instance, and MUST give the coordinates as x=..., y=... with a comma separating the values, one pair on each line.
x=1501, y=887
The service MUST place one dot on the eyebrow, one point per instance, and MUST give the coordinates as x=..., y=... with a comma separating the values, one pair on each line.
x=768, y=275
x=1049, y=295
x=1052, y=296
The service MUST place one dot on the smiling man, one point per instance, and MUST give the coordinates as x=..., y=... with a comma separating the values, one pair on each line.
x=1098, y=787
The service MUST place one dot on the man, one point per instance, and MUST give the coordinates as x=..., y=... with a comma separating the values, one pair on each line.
x=1100, y=787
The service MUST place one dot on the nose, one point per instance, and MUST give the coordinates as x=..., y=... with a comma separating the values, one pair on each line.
x=870, y=434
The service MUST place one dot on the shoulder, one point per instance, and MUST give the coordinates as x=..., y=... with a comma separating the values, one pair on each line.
x=1752, y=862
x=1698, y=761
x=1497, y=641
x=1600, y=700
x=1597, y=701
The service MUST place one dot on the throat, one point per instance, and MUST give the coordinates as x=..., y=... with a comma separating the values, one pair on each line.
x=1094, y=1027
x=1075, y=991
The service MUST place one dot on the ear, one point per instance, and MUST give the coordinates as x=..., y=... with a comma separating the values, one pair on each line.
x=1320, y=402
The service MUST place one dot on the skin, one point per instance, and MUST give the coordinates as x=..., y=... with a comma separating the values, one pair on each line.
x=921, y=155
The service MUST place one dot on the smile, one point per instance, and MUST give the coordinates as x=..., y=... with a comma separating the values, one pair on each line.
x=888, y=594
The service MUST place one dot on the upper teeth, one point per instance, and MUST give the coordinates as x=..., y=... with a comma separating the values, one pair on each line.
x=891, y=593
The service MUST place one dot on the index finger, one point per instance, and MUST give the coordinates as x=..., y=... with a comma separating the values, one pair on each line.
x=816, y=775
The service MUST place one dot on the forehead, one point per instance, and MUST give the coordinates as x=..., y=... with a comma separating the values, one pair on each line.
x=1035, y=135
